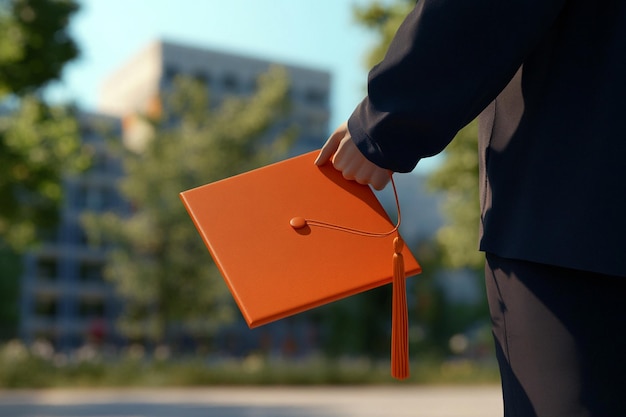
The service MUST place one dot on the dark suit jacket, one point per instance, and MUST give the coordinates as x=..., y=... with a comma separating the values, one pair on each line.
x=549, y=77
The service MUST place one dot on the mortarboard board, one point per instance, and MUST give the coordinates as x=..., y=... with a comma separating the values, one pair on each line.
x=292, y=236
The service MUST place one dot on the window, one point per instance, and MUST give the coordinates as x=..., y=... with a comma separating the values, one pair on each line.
x=230, y=82
x=315, y=96
x=169, y=73
x=91, y=272
x=202, y=77
x=99, y=163
x=46, y=306
x=95, y=197
x=47, y=269
x=90, y=307
x=86, y=131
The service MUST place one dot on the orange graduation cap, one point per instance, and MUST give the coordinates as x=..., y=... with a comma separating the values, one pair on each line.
x=292, y=236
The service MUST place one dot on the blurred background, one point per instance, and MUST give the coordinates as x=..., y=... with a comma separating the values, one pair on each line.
x=108, y=109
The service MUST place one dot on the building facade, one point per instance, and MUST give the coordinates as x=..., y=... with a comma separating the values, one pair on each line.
x=137, y=86
x=64, y=297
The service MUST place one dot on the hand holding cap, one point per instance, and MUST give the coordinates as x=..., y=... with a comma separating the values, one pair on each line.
x=346, y=157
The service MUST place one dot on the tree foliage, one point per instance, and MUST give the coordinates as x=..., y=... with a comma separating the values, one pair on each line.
x=458, y=177
x=38, y=142
x=35, y=44
x=384, y=19
x=158, y=261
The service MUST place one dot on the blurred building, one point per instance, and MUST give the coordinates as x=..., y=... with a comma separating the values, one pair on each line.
x=135, y=89
x=64, y=297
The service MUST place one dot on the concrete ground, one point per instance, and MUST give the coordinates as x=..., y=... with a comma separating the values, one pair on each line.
x=367, y=401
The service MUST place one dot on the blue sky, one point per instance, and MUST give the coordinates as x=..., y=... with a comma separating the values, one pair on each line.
x=317, y=33
x=320, y=33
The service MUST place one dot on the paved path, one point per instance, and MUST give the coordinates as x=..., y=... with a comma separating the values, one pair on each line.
x=388, y=401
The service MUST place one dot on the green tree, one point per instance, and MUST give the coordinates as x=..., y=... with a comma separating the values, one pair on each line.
x=383, y=18
x=458, y=177
x=159, y=263
x=35, y=44
x=38, y=142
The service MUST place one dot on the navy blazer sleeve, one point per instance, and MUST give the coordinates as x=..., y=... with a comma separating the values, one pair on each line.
x=447, y=62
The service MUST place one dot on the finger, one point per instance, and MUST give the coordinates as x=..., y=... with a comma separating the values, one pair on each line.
x=328, y=150
x=331, y=145
x=371, y=174
x=364, y=174
x=381, y=179
x=347, y=156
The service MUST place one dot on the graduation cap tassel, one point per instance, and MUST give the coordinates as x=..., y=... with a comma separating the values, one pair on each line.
x=399, y=320
x=399, y=317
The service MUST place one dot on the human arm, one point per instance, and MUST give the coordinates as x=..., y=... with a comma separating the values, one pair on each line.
x=447, y=62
